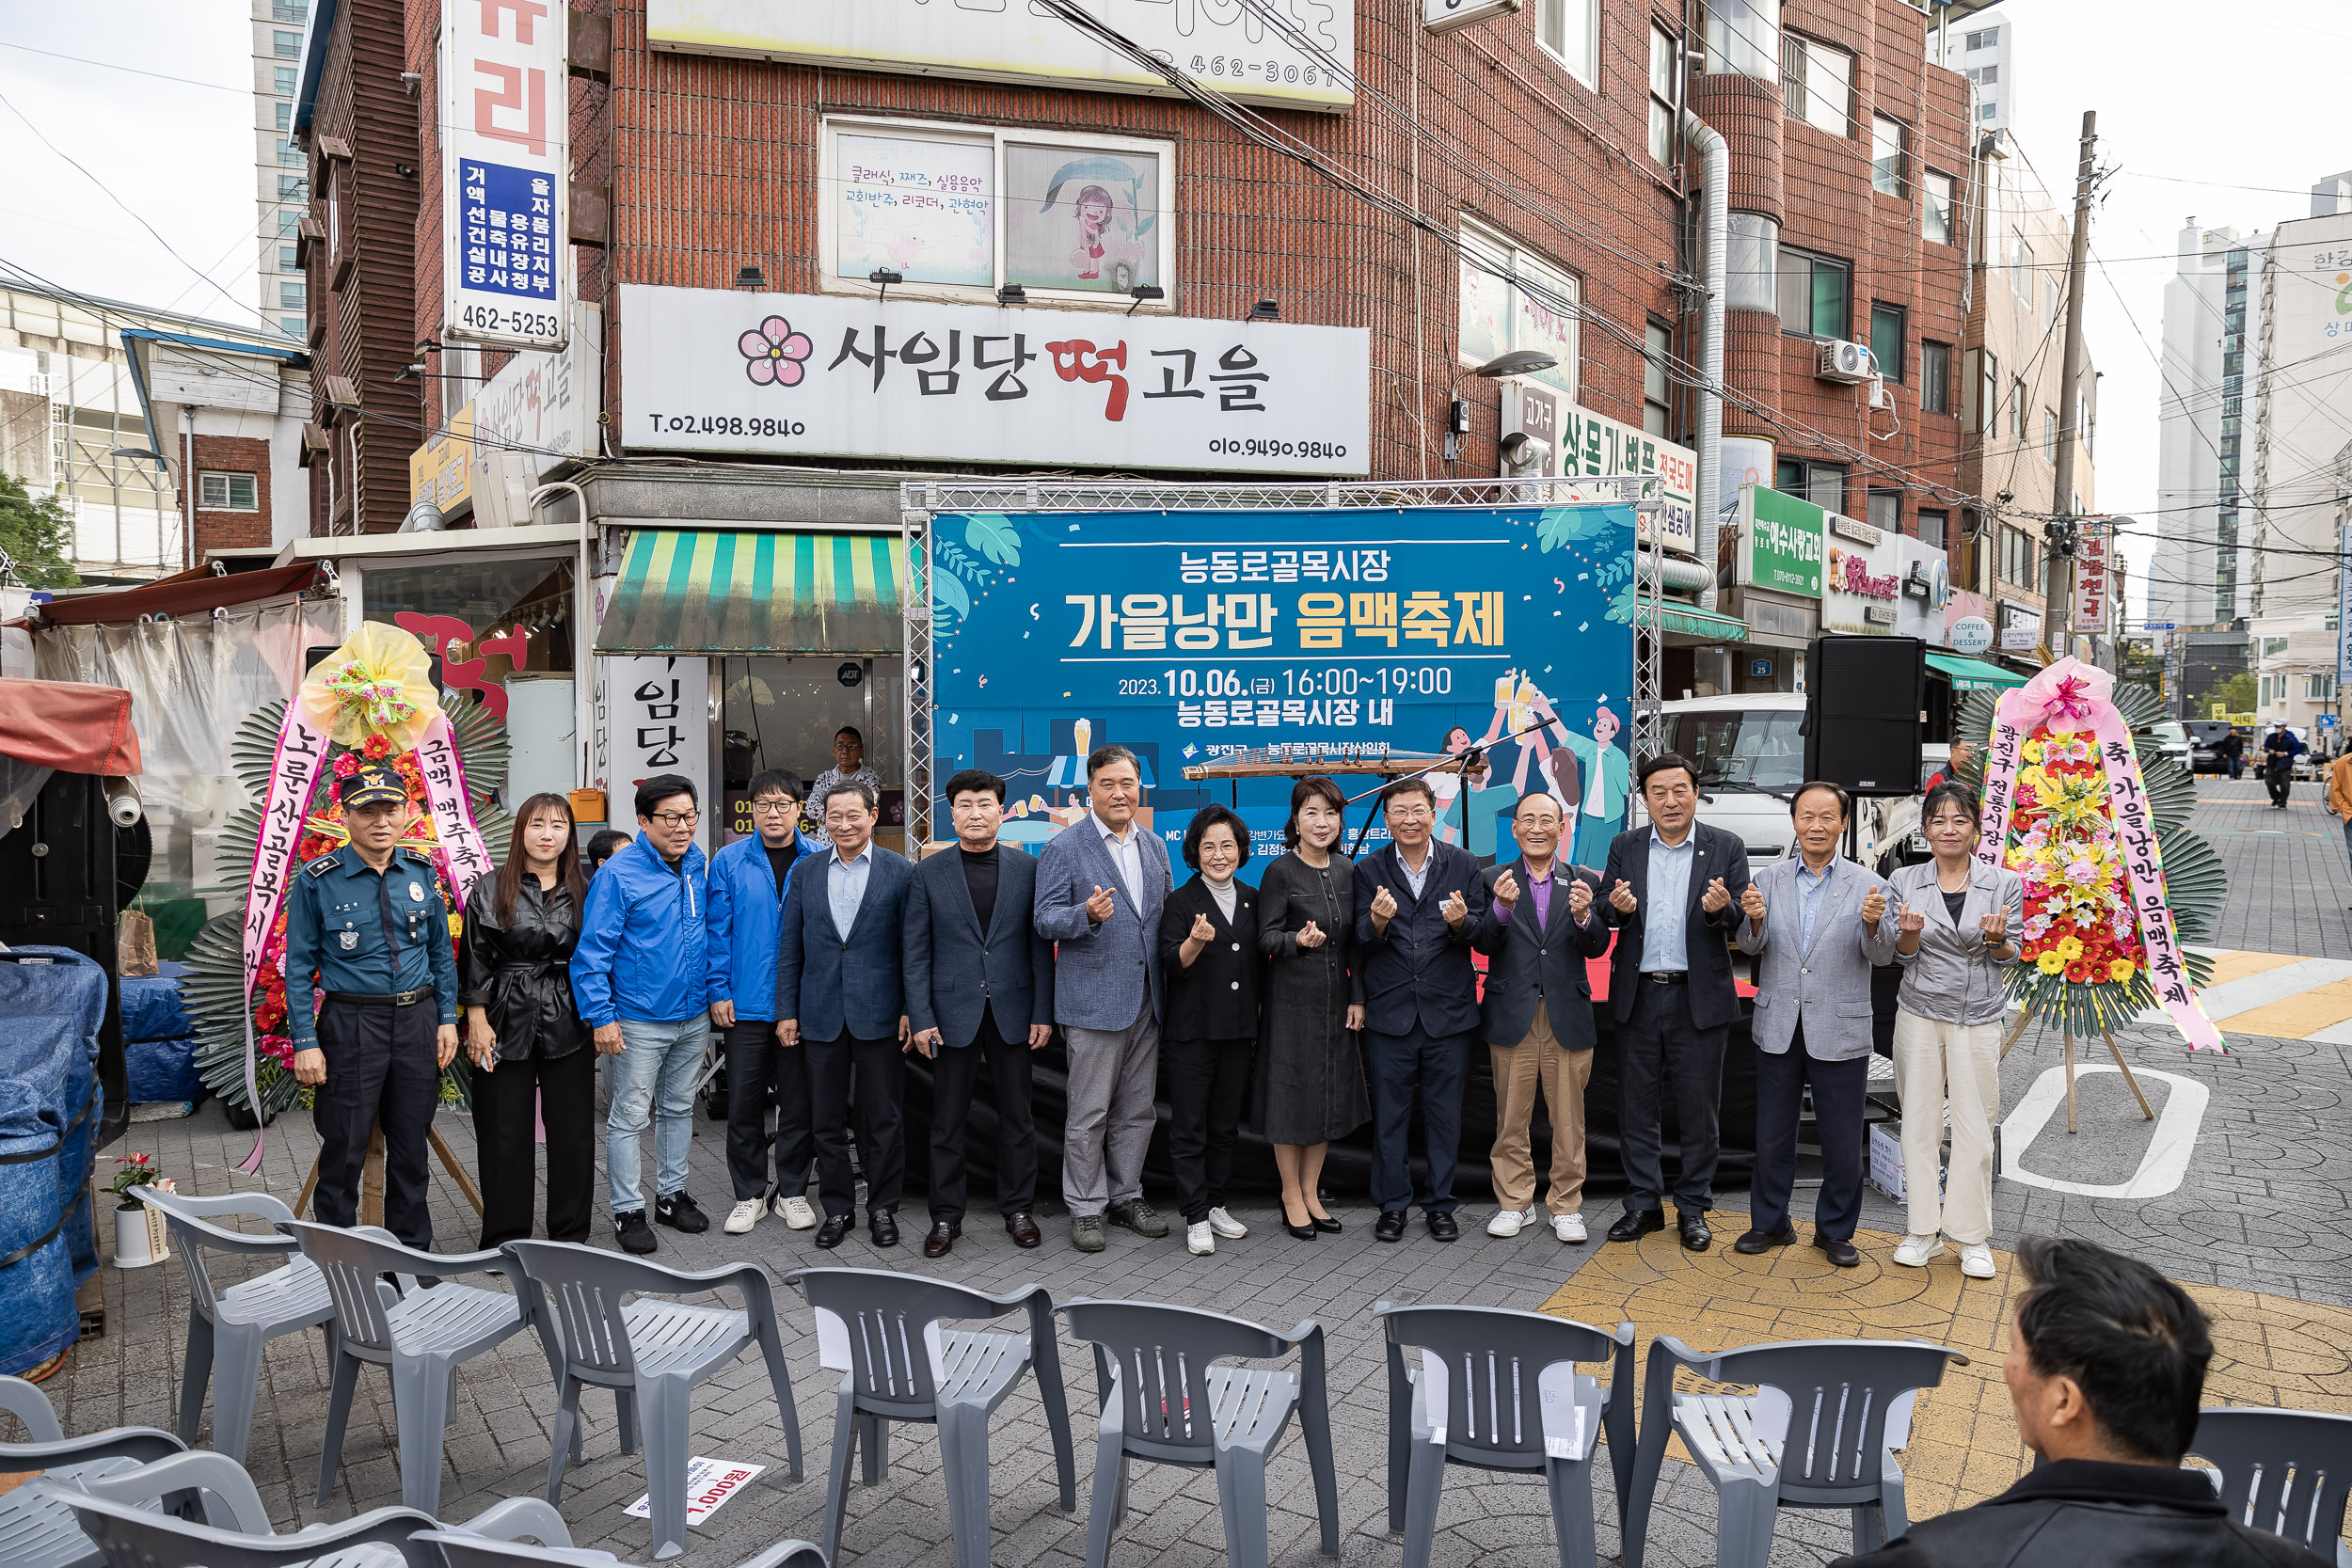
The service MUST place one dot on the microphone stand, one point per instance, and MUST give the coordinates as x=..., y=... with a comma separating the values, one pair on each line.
x=1465, y=765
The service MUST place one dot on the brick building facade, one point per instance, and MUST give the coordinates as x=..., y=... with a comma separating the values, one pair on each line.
x=232, y=497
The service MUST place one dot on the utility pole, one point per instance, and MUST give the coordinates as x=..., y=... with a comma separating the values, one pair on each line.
x=2058, y=578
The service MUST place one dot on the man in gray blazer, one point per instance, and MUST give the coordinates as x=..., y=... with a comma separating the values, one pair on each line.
x=1100, y=885
x=840, y=997
x=1819, y=922
x=980, y=991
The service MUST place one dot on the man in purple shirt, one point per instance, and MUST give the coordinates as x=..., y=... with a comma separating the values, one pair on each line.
x=1539, y=928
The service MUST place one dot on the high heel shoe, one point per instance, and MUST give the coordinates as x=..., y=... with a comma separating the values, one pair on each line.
x=1303, y=1232
x=1327, y=1224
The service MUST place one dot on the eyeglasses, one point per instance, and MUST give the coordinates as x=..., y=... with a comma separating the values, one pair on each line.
x=677, y=818
x=774, y=808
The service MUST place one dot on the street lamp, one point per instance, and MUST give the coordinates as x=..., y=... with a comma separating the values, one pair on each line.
x=1519, y=362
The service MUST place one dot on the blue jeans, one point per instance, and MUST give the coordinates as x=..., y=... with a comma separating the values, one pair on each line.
x=652, y=1080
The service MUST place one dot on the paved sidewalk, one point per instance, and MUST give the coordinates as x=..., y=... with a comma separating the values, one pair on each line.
x=2289, y=874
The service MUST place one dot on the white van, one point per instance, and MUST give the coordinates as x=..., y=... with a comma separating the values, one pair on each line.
x=1750, y=759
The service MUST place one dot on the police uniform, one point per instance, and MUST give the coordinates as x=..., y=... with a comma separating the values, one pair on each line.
x=379, y=943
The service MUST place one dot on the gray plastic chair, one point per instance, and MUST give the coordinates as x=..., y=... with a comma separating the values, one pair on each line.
x=650, y=1354
x=878, y=1329
x=1820, y=1432
x=420, y=1338
x=1495, y=1414
x=2284, y=1471
x=34, y=1532
x=1163, y=1400
x=474, y=1551
x=228, y=1329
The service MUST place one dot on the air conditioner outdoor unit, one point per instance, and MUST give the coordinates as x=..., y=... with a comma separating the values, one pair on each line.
x=1879, y=396
x=1844, y=362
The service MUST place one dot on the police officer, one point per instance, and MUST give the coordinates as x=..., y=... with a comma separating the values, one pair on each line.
x=368, y=921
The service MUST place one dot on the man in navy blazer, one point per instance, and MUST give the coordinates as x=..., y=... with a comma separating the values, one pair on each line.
x=840, y=997
x=1100, y=885
x=979, y=990
x=1418, y=904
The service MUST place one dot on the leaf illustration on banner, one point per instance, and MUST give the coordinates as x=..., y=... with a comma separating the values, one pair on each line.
x=994, y=535
x=949, y=593
x=1621, y=607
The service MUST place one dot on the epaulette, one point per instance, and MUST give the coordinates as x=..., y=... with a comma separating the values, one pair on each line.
x=417, y=856
x=324, y=865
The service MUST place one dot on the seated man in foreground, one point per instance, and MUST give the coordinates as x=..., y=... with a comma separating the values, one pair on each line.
x=2105, y=1366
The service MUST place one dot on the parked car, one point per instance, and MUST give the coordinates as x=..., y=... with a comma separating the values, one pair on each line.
x=2205, y=737
x=1750, y=759
x=2172, y=738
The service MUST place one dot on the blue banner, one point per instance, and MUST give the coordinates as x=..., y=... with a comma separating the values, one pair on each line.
x=1192, y=636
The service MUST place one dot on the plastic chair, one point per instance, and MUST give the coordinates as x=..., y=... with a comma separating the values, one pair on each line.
x=474, y=1551
x=1499, y=1390
x=881, y=1331
x=226, y=1329
x=2284, y=1471
x=1162, y=1401
x=420, y=1338
x=35, y=1532
x=647, y=1351
x=1820, y=1431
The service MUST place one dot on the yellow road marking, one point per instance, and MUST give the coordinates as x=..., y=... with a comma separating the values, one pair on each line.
x=2238, y=965
x=2294, y=1017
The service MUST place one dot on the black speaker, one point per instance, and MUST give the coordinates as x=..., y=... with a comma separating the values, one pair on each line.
x=1863, y=712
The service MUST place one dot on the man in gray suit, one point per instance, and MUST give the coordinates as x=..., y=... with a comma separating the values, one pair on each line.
x=1819, y=922
x=1100, y=885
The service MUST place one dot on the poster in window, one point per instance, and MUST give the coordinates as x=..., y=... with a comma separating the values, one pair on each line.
x=921, y=209
x=1486, y=325
x=1075, y=219
x=1543, y=321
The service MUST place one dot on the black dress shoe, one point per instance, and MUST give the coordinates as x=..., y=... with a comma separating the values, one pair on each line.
x=1327, y=1224
x=1023, y=1228
x=830, y=1233
x=1445, y=1228
x=1764, y=1241
x=1695, y=1236
x=883, y=1226
x=1301, y=1232
x=1635, y=1223
x=1841, y=1253
x=943, y=1236
x=1390, y=1227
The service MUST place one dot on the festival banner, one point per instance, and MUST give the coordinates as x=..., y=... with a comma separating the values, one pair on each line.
x=462, y=849
x=294, y=777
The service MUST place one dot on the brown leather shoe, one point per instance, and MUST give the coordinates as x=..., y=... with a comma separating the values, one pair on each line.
x=943, y=1237
x=1023, y=1228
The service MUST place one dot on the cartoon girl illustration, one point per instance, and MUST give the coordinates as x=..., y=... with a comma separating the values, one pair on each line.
x=1095, y=208
x=1448, y=786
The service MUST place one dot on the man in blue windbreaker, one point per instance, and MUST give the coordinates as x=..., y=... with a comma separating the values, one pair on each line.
x=748, y=880
x=641, y=978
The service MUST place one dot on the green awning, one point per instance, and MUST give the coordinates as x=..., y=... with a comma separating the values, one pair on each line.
x=1702, y=623
x=743, y=593
x=1973, y=674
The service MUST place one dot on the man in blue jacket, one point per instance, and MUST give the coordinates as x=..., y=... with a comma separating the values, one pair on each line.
x=748, y=880
x=840, y=1002
x=642, y=977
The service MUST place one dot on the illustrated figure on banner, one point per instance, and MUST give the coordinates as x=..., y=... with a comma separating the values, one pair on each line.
x=1448, y=786
x=1607, y=779
x=1095, y=209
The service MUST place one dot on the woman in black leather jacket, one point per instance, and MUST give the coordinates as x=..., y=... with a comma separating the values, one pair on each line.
x=529, y=1049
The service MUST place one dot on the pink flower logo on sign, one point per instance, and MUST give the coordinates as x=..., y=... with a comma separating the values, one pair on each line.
x=773, y=353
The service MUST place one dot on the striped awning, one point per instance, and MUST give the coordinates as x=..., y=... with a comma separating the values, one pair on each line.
x=1973, y=674
x=1702, y=624
x=743, y=592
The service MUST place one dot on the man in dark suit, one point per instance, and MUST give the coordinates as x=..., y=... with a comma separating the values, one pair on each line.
x=1674, y=897
x=840, y=997
x=1416, y=904
x=1537, y=1015
x=979, y=990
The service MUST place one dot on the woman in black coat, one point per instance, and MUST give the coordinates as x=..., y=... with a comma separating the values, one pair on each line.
x=528, y=1046
x=1209, y=953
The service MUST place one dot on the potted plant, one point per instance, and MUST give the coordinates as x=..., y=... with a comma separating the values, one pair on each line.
x=139, y=1234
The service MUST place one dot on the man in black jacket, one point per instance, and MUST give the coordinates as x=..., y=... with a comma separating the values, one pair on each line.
x=1418, y=903
x=2106, y=1363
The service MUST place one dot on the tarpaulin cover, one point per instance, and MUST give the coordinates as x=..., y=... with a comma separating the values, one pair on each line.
x=162, y=1071
x=192, y=592
x=49, y=1107
x=65, y=725
x=153, y=1008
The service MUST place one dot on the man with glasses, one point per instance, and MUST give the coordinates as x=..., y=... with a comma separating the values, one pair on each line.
x=642, y=977
x=748, y=882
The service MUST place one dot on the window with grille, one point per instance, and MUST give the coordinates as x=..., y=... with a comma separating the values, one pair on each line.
x=225, y=492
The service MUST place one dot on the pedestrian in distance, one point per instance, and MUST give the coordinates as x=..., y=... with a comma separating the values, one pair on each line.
x=849, y=767
x=642, y=977
x=2340, y=793
x=1674, y=891
x=602, y=845
x=1541, y=926
x=1215, y=978
x=1418, y=904
x=2233, y=750
x=1819, y=923
x=531, y=1052
x=1100, y=883
x=1310, y=1069
x=368, y=921
x=749, y=880
x=2279, y=750
x=1958, y=927
x=841, y=998
x=980, y=998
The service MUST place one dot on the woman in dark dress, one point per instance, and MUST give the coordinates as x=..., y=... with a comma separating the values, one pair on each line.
x=1311, y=1069
x=1216, y=974
x=528, y=1044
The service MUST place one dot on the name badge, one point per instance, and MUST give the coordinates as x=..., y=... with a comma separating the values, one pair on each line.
x=416, y=893
x=349, y=941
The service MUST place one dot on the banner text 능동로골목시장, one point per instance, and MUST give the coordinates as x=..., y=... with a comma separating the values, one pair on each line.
x=1190, y=636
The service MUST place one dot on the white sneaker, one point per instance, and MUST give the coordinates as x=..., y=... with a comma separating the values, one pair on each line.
x=1226, y=1226
x=1507, y=1222
x=1200, y=1240
x=796, y=1213
x=1914, y=1251
x=1568, y=1227
x=744, y=1215
x=1976, y=1261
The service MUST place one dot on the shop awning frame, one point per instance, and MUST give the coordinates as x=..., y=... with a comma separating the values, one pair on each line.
x=730, y=591
x=1973, y=674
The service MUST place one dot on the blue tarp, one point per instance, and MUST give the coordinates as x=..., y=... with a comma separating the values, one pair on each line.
x=153, y=1011
x=162, y=1070
x=49, y=1116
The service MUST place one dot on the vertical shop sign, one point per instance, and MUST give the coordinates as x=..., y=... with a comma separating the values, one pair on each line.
x=505, y=173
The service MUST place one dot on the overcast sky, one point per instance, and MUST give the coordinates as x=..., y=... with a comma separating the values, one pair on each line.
x=2228, y=115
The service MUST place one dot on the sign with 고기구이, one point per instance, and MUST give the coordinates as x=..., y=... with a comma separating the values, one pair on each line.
x=505, y=174
x=1781, y=542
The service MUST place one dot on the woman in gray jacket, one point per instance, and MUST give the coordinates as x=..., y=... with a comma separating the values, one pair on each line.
x=1957, y=917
